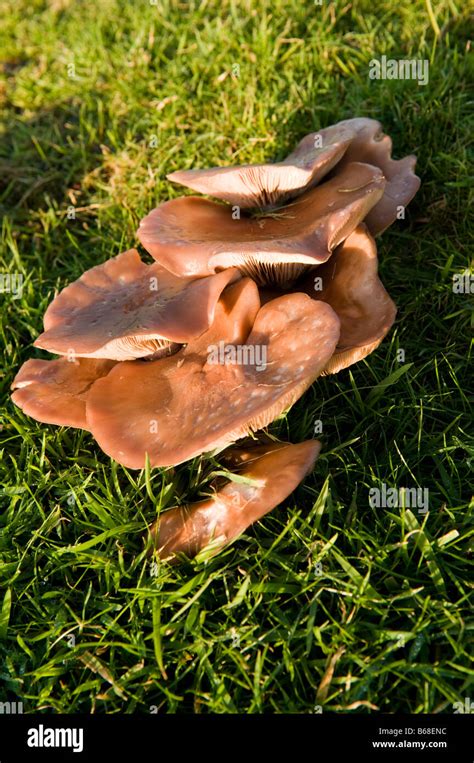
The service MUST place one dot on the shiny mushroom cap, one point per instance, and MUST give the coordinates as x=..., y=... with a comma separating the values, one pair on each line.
x=54, y=391
x=124, y=309
x=193, y=236
x=270, y=475
x=349, y=282
x=223, y=385
x=265, y=186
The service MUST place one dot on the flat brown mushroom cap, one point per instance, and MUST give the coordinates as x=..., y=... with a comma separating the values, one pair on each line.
x=54, y=391
x=218, y=520
x=372, y=146
x=125, y=309
x=193, y=236
x=267, y=185
x=350, y=284
x=201, y=398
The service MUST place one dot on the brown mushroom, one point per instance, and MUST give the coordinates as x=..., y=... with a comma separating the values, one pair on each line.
x=223, y=385
x=54, y=391
x=267, y=185
x=333, y=148
x=193, y=236
x=124, y=309
x=370, y=145
x=270, y=475
x=350, y=284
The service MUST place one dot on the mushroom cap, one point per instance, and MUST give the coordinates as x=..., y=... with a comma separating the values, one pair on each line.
x=274, y=472
x=193, y=236
x=125, y=309
x=223, y=385
x=350, y=284
x=372, y=146
x=54, y=391
x=267, y=185
x=237, y=457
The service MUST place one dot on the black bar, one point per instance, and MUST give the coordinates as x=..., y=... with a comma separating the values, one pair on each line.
x=129, y=737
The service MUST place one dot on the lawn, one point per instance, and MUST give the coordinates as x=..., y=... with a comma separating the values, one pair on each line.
x=329, y=603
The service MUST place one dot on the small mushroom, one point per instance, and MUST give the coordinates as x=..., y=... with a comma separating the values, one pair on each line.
x=125, y=309
x=370, y=145
x=223, y=385
x=54, y=391
x=350, y=284
x=192, y=236
x=271, y=474
x=267, y=185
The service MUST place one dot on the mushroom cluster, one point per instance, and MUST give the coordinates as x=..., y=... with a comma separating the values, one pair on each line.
x=246, y=304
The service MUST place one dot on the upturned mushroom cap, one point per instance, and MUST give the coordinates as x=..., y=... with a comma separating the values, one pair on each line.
x=223, y=385
x=274, y=474
x=268, y=185
x=54, y=391
x=124, y=309
x=350, y=284
x=193, y=236
x=370, y=145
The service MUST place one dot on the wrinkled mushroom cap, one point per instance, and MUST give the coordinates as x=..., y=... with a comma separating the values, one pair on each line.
x=124, y=309
x=54, y=391
x=220, y=387
x=272, y=475
x=349, y=282
x=193, y=236
x=370, y=145
x=267, y=185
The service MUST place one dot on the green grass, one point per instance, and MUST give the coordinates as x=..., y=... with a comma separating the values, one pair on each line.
x=256, y=628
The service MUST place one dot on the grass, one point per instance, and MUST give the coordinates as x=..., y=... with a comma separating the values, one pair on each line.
x=328, y=603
